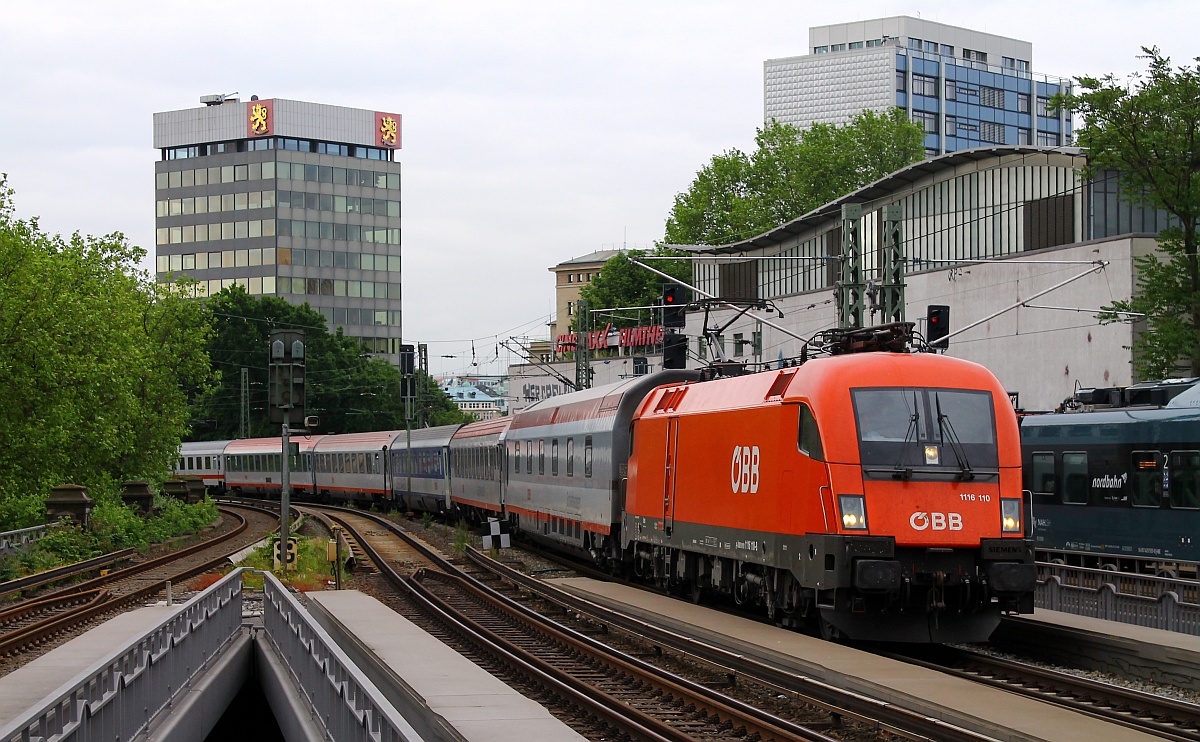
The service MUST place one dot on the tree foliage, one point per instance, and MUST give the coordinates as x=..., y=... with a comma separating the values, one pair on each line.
x=791, y=172
x=348, y=390
x=1149, y=131
x=93, y=359
x=620, y=283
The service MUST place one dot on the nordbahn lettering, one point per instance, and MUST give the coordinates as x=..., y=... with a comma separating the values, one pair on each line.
x=921, y=521
x=743, y=473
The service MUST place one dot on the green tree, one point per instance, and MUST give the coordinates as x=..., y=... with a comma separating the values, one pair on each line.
x=348, y=389
x=791, y=172
x=93, y=358
x=1149, y=132
x=620, y=283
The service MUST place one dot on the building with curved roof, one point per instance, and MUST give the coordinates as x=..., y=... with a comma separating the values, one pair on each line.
x=1021, y=247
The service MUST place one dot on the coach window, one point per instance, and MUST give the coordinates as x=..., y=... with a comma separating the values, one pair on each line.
x=570, y=457
x=1147, y=477
x=1185, y=479
x=810, y=437
x=1076, y=484
x=1042, y=480
x=587, y=456
x=541, y=456
x=554, y=457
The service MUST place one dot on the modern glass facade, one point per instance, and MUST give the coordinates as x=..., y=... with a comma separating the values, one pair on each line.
x=308, y=220
x=966, y=89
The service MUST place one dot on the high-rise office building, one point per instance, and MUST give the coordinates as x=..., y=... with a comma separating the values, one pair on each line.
x=965, y=88
x=287, y=198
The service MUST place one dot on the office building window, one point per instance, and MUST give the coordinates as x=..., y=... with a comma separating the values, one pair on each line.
x=990, y=132
x=1043, y=106
x=947, y=50
x=931, y=47
x=900, y=82
x=951, y=126
x=927, y=121
x=974, y=56
x=1047, y=139
x=837, y=47
x=1022, y=65
x=1009, y=63
x=924, y=85
x=915, y=44
x=820, y=50
x=1022, y=136
x=874, y=43
x=856, y=44
x=991, y=97
x=1022, y=102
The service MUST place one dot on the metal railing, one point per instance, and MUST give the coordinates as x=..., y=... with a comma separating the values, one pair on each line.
x=12, y=542
x=118, y=696
x=1166, y=603
x=349, y=704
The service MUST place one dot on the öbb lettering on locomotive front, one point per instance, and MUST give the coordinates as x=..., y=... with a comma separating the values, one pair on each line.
x=921, y=521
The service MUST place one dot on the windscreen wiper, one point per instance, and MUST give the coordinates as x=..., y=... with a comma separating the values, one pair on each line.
x=901, y=471
x=946, y=427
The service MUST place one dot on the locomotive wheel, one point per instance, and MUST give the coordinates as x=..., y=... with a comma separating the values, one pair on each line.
x=829, y=632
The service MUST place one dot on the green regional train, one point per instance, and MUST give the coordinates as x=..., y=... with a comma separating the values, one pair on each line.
x=1118, y=487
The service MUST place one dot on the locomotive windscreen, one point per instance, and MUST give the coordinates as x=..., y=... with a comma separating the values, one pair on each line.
x=907, y=432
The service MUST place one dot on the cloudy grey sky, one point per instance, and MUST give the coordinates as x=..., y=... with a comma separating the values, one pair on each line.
x=533, y=131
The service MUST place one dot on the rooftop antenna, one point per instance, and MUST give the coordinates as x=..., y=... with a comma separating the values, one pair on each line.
x=218, y=99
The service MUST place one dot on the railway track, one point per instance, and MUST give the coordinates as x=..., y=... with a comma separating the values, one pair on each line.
x=1165, y=717
x=601, y=691
x=36, y=621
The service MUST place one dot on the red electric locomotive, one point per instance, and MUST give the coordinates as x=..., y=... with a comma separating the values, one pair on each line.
x=877, y=495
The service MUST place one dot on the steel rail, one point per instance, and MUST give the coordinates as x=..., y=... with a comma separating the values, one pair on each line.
x=623, y=719
x=60, y=573
x=886, y=716
x=1164, y=717
x=754, y=720
x=52, y=625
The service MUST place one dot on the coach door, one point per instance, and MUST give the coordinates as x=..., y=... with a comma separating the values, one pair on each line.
x=669, y=479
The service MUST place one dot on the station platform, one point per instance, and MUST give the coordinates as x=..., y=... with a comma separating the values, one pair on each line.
x=27, y=685
x=989, y=711
x=468, y=702
x=1166, y=657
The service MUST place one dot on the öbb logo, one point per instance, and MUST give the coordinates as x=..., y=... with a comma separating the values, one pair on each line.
x=921, y=521
x=743, y=473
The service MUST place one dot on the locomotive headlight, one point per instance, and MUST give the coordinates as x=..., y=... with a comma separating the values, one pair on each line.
x=854, y=512
x=931, y=455
x=1010, y=515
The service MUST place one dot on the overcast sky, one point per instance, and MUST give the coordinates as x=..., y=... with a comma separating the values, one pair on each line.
x=533, y=132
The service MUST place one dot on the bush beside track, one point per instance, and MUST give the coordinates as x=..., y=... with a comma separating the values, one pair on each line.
x=113, y=527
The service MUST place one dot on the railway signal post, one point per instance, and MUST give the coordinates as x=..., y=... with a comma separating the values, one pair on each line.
x=287, y=398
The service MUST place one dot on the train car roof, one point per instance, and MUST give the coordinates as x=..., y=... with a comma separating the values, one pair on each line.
x=600, y=401
x=820, y=377
x=483, y=427
x=1146, y=425
x=375, y=440
x=270, y=445
x=426, y=437
x=191, y=448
